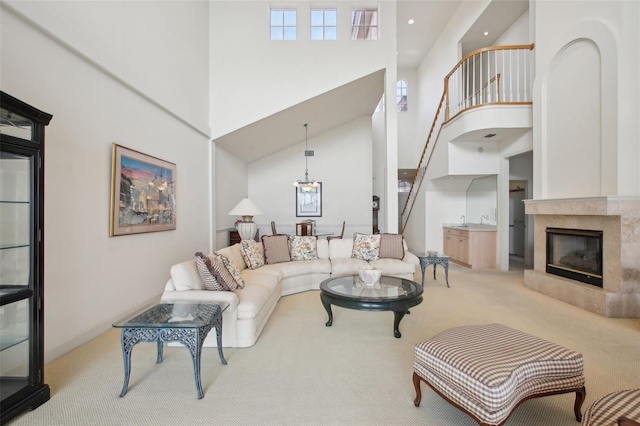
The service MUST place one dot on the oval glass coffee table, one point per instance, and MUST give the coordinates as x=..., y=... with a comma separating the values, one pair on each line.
x=389, y=294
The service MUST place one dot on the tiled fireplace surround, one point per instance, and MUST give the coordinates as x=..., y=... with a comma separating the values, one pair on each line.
x=619, y=219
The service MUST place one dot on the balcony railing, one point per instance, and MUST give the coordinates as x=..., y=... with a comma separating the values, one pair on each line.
x=497, y=75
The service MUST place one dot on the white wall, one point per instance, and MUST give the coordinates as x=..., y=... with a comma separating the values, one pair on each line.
x=108, y=79
x=231, y=186
x=342, y=157
x=254, y=77
x=604, y=35
x=410, y=142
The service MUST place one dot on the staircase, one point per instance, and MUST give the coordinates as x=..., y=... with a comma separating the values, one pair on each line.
x=491, y=76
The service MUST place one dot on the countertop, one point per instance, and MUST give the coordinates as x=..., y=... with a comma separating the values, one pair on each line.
x=471, y=227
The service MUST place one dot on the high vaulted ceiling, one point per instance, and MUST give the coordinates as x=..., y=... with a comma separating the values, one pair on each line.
x=346, y=103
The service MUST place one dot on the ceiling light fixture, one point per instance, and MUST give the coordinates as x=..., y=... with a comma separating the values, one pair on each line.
x=411, y=22
x=306, y=185
x=486, y=33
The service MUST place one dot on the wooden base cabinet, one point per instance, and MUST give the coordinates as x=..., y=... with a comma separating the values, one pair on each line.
x=475, y=249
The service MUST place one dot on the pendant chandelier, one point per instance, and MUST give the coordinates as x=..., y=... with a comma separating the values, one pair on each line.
x=306, y=184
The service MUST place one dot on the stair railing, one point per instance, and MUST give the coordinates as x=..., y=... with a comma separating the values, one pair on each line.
x=491, y=75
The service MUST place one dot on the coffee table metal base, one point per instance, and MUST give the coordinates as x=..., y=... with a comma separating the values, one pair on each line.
x=191, y=338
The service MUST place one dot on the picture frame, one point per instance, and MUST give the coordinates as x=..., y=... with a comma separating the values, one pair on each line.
x=309, y=203
x=143, y=193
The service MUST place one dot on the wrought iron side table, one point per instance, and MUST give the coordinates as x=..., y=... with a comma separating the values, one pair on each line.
x=184, y=322
x=439, y=259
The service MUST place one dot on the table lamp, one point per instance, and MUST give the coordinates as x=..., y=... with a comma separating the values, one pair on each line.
x=246, y=227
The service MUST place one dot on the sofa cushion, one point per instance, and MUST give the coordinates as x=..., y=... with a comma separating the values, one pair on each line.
x=339, y=247
x=251, y=300
x=303, y=247
x=276, y=249
x=232, y=268
x=347, y=266
x=185, y=276
x=252, y=253
x=323, y=248
x=214, y=274
x=393, y=266
x=366, y=246
x=304, y=267
x=391, y=246
x=234, y=253
x=268, y=277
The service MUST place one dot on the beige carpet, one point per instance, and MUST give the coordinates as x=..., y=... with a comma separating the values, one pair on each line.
x=353, y=373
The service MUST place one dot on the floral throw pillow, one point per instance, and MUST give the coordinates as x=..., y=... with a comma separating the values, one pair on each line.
x=303, y=248
x=365, y=246
x=252, y=253
x=232, y=268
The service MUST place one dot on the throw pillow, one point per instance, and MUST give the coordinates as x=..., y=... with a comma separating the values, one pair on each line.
x=205, y=269
x=276, y=249
x=304, y=248
x=391, y=246
x=232, y=268
x=365, y=246
x=252, y=253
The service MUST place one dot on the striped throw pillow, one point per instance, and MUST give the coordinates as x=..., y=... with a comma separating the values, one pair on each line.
x=391, y=246
x=276, y=249
x=205, y=268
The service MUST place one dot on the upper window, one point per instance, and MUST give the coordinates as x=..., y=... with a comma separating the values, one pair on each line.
x=364, y=24
x=283, y=24
x=401, y=95
x=324, y=24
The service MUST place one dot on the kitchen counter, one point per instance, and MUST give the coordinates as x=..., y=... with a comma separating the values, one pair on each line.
x=470, y=227
x=473, y=245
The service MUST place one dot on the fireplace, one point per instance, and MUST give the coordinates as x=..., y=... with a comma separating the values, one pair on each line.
x=575, y=254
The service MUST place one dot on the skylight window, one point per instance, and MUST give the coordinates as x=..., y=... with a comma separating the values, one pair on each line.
x=283, y=24
x=324, y=24
x=364, y=24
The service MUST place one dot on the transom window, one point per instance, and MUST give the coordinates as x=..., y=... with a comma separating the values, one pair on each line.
x=283, y=24
x=401, y=95
x=324, y=24
x=364, y=24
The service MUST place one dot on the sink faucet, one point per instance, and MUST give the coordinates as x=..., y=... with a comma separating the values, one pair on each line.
x=464, y=220
x=483, y=217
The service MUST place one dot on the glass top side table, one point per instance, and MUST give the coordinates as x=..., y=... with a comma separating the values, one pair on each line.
x=184, y=322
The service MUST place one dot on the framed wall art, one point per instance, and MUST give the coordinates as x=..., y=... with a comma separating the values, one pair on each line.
x=143, y=193
x=309, y=203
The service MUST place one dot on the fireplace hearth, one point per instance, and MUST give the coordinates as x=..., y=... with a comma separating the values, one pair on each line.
x=617, y=218
x=575, y=254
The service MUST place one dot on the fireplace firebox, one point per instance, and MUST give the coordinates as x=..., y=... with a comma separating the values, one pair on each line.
x=575, y=254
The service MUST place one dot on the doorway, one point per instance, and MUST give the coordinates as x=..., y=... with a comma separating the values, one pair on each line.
x=517, y=224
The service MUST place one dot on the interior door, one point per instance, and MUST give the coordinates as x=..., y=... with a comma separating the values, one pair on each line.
x=516, y=222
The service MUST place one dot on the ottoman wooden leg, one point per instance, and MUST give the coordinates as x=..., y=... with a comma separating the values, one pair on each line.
x=577, y=406
x=416, y=384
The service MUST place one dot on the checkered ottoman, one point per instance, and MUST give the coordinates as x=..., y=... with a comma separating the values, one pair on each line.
x=616, y=409
x=487, y=370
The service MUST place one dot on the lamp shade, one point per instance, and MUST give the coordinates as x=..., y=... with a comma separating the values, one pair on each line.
x=246, y=207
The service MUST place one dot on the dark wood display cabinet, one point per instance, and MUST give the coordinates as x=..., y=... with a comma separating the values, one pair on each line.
x=22, y=384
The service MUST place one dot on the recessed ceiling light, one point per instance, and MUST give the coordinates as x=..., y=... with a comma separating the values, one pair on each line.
x=486, y=33
x=411, y=21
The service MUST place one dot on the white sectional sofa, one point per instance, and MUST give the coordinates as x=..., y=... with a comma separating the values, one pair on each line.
x=250, y=307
